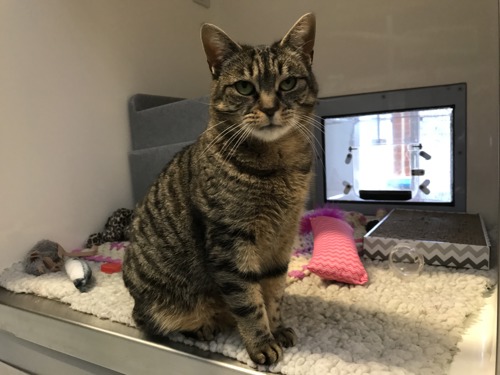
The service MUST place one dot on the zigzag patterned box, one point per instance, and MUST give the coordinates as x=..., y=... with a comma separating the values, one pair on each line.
x=443, y=238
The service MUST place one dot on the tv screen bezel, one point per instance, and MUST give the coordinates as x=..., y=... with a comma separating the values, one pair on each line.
x=454, y=95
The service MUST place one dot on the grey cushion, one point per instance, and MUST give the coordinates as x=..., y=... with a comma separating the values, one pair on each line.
x=161, y=126
x=170, y=121
x=145, y=165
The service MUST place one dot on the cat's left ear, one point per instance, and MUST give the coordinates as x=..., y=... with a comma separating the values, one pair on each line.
x=301, y=35
x=217, y=46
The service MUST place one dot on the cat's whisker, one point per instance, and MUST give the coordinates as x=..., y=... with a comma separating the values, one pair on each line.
x=313, y=141
x=230, y=147
x=217, y=138
x=231, y=143
x=210, y=127
x=316, y=116
x=317, y=124
x=309, y=136
x=313, y=136
x=206, y=103
x=311, y=132
x=233, y=138
x=247, y=130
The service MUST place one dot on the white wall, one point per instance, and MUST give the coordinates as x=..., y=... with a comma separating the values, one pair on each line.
x=368, y=46
x=67, y=68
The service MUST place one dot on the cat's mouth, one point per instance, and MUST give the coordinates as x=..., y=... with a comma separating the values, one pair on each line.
x=270, y=127
x=270, y=132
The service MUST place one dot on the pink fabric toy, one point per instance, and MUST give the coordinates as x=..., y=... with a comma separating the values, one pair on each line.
x=305, y=222
x=334, y=254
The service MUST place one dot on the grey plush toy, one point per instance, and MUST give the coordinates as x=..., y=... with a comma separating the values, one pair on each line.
x=46, y=256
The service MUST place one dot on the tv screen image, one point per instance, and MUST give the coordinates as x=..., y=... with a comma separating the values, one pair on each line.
x=400, y=155
x=394, y=149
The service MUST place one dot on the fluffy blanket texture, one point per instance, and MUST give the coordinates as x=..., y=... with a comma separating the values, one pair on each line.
x=387, y=326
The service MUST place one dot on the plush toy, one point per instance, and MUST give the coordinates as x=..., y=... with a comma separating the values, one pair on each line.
x=305, y=222
x=116, y=228
x=48, y=256
x=335, y=256
x=80, y=273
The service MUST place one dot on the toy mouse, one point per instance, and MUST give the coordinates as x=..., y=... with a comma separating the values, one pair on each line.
x=48, y=256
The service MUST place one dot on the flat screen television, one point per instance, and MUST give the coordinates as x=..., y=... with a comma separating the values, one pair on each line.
x=393, y=149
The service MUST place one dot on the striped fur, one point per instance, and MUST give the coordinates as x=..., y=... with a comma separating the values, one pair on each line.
x=210, y=243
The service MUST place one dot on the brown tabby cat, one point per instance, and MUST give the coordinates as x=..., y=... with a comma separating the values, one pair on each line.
x=211, y=241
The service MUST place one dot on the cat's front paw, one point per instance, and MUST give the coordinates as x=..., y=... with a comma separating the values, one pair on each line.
x=285, y=336
x=265, y=352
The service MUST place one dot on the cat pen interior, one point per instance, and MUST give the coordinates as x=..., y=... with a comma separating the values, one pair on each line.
x=70, y=68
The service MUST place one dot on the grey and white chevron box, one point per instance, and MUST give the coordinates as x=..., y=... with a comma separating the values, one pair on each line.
x=443, y=238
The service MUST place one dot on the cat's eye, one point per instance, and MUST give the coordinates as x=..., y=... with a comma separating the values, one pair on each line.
x=288, y=84
x=244, y=87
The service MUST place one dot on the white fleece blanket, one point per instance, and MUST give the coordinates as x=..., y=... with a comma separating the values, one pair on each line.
x=387, y=326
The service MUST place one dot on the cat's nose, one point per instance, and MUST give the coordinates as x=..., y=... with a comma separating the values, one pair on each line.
x=268, y=103
x=270, y=111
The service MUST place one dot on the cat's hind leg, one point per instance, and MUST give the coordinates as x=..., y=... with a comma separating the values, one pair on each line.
x=200, y=322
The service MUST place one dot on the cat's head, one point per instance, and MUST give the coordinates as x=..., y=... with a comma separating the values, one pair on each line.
x=262, y=91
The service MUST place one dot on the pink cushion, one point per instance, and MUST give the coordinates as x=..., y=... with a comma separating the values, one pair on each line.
x=334, y=254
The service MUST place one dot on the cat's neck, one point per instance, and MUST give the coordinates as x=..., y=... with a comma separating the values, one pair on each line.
x=292, y=150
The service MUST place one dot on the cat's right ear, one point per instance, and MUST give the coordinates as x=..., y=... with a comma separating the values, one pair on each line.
x=217, y=46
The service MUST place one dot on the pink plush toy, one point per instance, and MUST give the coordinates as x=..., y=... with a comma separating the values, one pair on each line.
x=305, y=222
x=334, y=255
